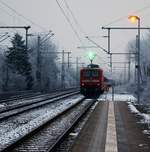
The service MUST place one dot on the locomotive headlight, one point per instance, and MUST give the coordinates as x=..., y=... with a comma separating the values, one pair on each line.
x=82, y=84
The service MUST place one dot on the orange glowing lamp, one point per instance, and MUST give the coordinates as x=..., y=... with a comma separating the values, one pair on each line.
x=133, y=18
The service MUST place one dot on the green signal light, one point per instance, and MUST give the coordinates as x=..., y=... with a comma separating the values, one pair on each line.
x=91, y=55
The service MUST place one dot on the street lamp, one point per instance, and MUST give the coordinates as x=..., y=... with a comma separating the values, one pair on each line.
x=133, y=18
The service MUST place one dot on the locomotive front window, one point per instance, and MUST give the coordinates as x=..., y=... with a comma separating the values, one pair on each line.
x=90, y=73
x=87, y=74
x=94, y=73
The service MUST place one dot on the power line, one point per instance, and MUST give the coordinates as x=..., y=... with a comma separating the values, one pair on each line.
x=68, y=20
x=125, y=16
x=74, y=18
x=6, y=12
x=20, y=15
x=97, y=45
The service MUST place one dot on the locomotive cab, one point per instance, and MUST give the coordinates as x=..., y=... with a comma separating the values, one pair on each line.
x=91, y=81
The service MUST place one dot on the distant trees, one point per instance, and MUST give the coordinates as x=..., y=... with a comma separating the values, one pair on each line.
x=144, y=64
x=19, y=67
x=17, y=59
x=144, y=55
x=50, y=66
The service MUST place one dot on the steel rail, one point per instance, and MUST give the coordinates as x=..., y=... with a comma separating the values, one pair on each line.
x=29, y=135
x=70, y=128
x=28, y=95
x=20, y=108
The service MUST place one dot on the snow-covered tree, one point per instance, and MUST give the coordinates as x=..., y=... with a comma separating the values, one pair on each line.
x=18, y=60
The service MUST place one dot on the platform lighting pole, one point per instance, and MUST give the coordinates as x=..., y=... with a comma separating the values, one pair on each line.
x=133, y=19
x=138, y=60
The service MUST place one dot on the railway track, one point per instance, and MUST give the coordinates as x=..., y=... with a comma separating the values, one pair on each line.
x=35, y=102
x=30, y=95
x=47, y=135
x=19, y=97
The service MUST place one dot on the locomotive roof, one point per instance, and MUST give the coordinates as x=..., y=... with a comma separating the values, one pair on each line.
x=87, y=68
x=93, y=66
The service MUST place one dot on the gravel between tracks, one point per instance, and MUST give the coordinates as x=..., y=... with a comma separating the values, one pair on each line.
x=42, y=140
x=19, y=125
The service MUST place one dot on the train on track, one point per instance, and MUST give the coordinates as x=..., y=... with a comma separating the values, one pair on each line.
x=92, y=81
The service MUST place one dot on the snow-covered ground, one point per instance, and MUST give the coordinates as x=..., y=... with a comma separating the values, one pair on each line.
x=117, y=97
x=119, y=94
x=145, y=117
x=17, y=126
x=122, y=95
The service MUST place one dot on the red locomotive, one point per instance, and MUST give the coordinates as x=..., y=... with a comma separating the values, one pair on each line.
x=92, y=81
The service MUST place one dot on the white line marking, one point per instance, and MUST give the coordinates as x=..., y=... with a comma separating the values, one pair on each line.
x=111, y=138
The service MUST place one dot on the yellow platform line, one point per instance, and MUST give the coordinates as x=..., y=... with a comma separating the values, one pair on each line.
x=111, y=138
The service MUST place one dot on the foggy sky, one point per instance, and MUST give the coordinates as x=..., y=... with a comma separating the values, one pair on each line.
x=91, y=15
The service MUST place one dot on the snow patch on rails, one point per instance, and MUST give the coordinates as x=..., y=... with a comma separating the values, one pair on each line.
x=15, y=135
x=30, y=104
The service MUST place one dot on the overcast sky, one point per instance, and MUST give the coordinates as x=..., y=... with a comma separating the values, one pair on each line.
x=91, y=15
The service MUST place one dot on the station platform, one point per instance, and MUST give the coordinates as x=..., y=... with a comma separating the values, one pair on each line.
x=111, y=128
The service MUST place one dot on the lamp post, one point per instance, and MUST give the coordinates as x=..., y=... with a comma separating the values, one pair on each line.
x=134, y=19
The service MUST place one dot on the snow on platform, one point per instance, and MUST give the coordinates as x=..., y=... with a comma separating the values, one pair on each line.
x=145, y=117
x=117, y=97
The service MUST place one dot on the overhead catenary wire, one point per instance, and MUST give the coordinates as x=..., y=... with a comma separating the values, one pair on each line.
x=73, y=17
x=125, y=16
x=68, y=20
x=4, y=38
x=22, y=16
x=9, y=14
x=97, y=45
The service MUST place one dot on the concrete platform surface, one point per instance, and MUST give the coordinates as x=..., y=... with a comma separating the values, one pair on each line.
x=111, y=128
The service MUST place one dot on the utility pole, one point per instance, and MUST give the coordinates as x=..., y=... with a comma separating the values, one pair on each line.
x=77, y=69
x=27, y=28
x=111, y=61
x=38, y=72
x=138, y=50
x=39, y=58
x=19, y=27
x=125, y=73
x=16, y=27
x=109, y=49
x=129, y=67
x=62, y=71
x=77, y=63
x=68, y=58
x=63, y=65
